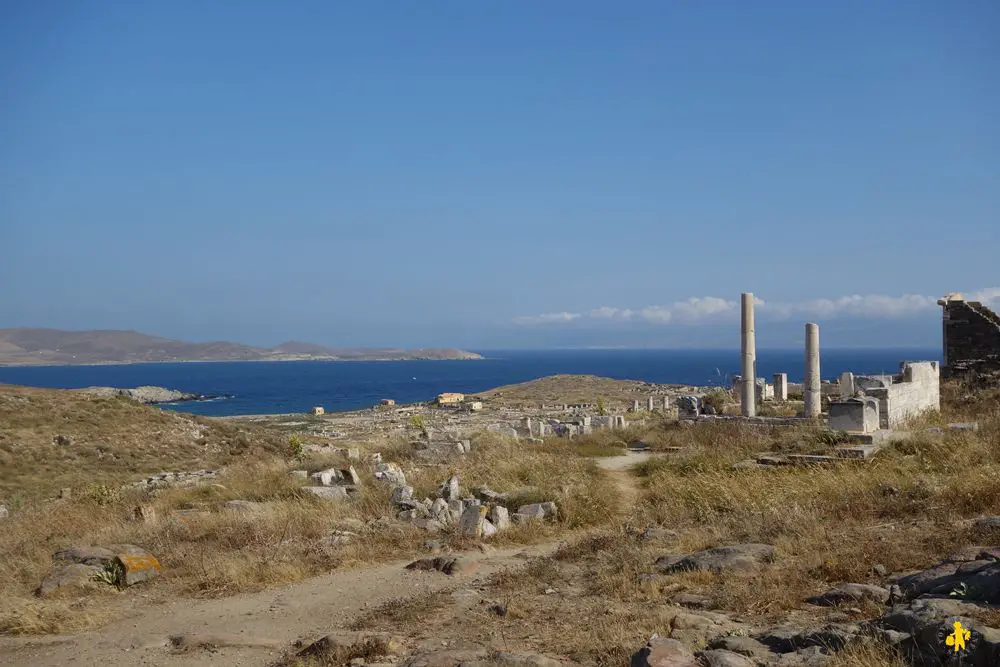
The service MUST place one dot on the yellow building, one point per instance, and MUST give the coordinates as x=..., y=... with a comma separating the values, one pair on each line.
x=450, y=398
x=387, y=401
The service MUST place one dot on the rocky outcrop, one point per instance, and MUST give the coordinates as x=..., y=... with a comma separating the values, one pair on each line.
x=851, y=593
x=148, y=395
x=737, y=557
x=92, y=566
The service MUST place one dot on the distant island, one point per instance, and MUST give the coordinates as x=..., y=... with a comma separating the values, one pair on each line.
x=37, y=347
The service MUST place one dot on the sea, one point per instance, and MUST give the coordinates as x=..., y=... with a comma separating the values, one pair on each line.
x=275, y=387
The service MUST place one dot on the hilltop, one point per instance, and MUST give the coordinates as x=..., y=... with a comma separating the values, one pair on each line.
x=55, y=347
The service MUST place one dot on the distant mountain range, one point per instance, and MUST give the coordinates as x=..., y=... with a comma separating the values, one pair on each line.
x=52, y=346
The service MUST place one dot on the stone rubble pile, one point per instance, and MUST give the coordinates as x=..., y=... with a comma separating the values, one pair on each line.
x=169, y=479
x=473, y=517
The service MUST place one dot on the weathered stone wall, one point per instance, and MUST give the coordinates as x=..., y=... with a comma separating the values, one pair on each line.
x=971, y=339
x=915, y=390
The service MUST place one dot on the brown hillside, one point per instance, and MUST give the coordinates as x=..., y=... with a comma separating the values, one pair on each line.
x=104, y=440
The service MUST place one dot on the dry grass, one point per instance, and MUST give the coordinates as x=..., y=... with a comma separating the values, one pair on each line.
x=212, y=551
x=110, y=441
x=904, y=510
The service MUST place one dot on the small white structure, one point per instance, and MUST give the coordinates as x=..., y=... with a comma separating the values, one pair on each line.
x=318, y=410
x=855, y=415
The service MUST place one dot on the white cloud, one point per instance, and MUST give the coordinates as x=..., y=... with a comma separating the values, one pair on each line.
x=990, y=296
x=548, y=318
x=710, y=308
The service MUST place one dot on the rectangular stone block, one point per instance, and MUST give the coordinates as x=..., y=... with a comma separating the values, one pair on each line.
x=137, y=568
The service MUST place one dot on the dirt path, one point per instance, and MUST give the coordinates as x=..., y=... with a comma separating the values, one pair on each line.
x=620, y=470
x=275, y=618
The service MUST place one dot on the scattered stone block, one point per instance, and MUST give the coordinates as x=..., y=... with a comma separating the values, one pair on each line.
x=4, y=512
x=300, y=473
x=489, y=530
x=858, y=451
x=328, y=477
x=499, y=517
x=137, y=568
x=351, y=476
x=327, y=492
x=401, y=493
x=450, y=490
x=471, y=522
x=544, y=510
x=390, y=473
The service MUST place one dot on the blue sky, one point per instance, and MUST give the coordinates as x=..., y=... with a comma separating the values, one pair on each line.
x=495, y=174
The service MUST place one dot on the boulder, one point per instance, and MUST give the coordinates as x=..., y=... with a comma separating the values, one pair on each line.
x=663, y=652
x=974, y=579
x=439, y=510
x=471, y=522
x=499, y=517
x=851, y=593
x=401, y=493
x=724, y=658
x=544, y=510
x=921, y=625
x=390, y=473
x=4, y=512
x=489, y=530
x=98, y=556
x=742, y=645
x=327, y=492
x=72, y=575
x=737, y=557
x=450, y=490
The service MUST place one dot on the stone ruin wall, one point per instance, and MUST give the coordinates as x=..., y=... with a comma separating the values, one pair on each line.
x=971, y=339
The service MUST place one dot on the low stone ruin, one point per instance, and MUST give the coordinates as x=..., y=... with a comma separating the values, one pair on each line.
x=479, y=516
x=872, y=402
